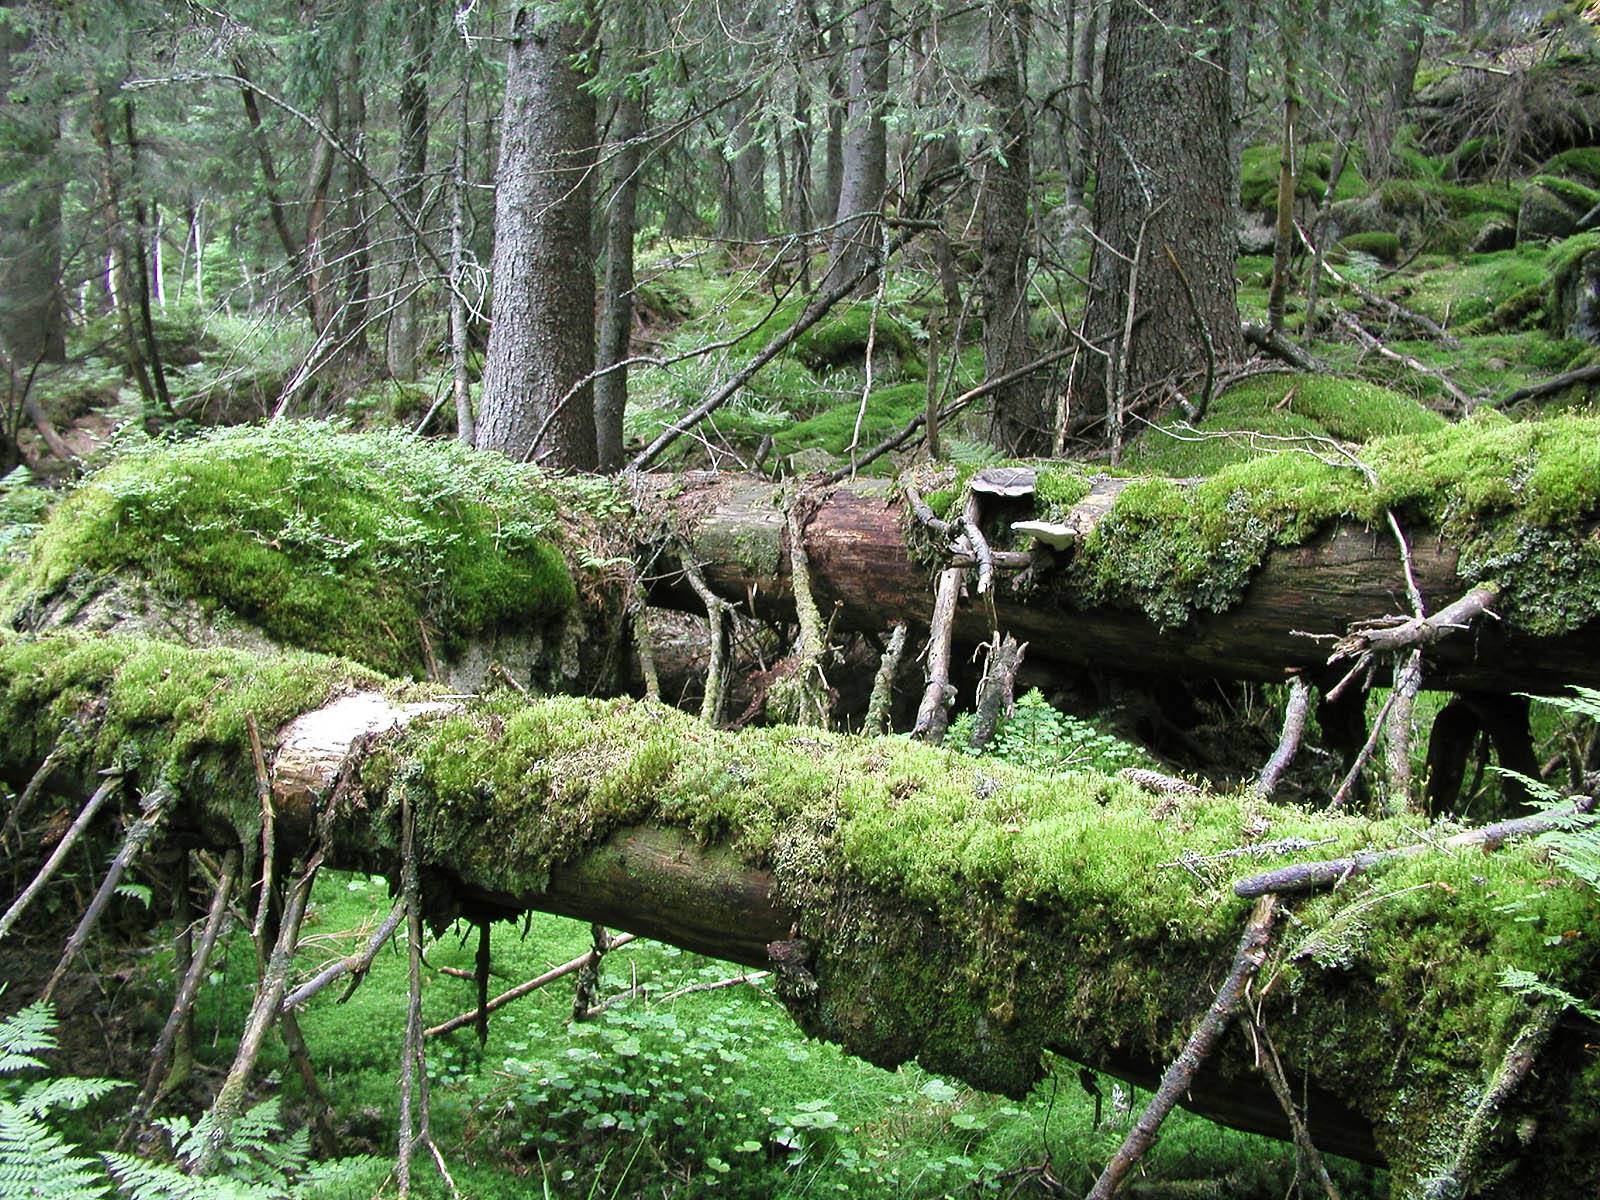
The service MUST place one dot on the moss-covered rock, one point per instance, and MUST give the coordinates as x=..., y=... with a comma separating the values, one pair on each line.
x=1574, y=290
x=1258, y=176
x=1445, y=216
x=1385, y=247
x=378, y=546
x=1547, y=213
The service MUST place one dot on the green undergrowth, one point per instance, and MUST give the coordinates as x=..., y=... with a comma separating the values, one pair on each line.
x=1258, y=176
x=323, y=539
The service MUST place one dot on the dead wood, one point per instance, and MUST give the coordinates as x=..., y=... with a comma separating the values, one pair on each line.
x=268, y=848
x=997, y=691
x=412, y=1067
x=155, y=808
x=29, y=791
x=1552, y=386
x=355, y=965
x=1371, y=342
x=881, y=704
x=1295, y=711
x=1272, y=1069
x=1180, y=1074
x=461, y=1020
x=1280, y=347
x=933, y=715
x=1313, y=876
x=63, y=847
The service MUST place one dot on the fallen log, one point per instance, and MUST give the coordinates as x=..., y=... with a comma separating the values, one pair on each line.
x=1300, y=599
x=912, y=903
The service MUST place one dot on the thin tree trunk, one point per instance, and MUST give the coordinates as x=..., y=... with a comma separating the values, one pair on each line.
x=858, y=232
x=616, y=299
x=460, y=386
x=401, y=347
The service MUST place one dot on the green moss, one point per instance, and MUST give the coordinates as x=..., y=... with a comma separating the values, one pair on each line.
x=842, y=335
x=1258, y=176
x=1252, y=418
x=888, y=410
x=1385, y=247
x=1581, y=163
x=324, y=540
x=1471, y=288
x=1576, y=195
x=1059, y=486
x=1432, y=195
x=1515, y=497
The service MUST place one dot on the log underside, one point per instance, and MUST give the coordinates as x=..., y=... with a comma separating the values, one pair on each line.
x=1300, y=600
x=913, y=905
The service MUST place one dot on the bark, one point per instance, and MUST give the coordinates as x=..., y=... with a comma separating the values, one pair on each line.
x=1378, y=162
x=542, y=340
x=1166, y=178
x=1020, y=423
x=616, y=299
x=976, y=976
x=1338, y=577
x=864, y=156
x=401, y=349
x=32, y=304
x=744, y=168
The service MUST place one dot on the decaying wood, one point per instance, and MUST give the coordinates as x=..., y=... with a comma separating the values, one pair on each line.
x=1280, y=347
x=1552, y=386
x=718, y=613
x=933, y=715
x=1295, y=711
x=412, y=1067
x=1339, y=577
x=268, y=849
x=1272, y=1070
x=63, y=848
x=29, y=791
x=970, y=515
x=1313, y=876
x=1393, y=634
x=1180, y=1074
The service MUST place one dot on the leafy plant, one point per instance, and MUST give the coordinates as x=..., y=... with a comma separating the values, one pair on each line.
x=1043, y=738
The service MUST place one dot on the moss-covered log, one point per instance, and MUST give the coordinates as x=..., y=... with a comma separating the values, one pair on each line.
x=917, y=904
x=1247, y=573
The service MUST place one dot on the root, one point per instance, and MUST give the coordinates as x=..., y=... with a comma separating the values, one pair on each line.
x=880, y=705
x=802, y=696
x=933, y=716
x=997, y=691
x=718, y=614
x=1294, y=728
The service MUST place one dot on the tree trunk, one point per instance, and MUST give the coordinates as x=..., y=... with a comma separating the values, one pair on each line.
x=1020, y=424
x=744, y=166
x=616, y=300
x=1166, y=181
x=32, y=302
x=401, y=349
x=912, y=903
x=1378, y=162
x=541, y=344
x=858, y=232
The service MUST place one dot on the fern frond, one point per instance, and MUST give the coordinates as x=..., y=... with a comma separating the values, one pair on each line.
x=36, y=1162
x=70, y=1092
x=23, y=1034
x=139, y=1179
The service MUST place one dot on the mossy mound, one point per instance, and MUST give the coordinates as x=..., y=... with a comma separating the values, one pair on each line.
x=888, y=410
x=1252, y=418
x=1447, y=217
x=1258, y=176
x=321, y=539
x=1456, y=293
x=1385, y=247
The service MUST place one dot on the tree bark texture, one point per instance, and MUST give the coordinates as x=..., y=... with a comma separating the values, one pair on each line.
x=1166, y=171
x=32, y=306
x=616, y=298
x=401, y=349
x=864, y=161
x=1034, y=914
x=1020, y=422
x=542, y=339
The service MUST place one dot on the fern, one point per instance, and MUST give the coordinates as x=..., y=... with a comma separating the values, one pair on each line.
x=139, y=1179
x=43, y=1098
x=22, y=1034
x=36, y=1162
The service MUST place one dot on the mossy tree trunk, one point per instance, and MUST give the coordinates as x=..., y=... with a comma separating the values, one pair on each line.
x=912, y=904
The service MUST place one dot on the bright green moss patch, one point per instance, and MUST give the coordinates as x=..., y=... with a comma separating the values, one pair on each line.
x=1385, y=247
x=1254, y=417
x=1581, y=164
x=1458, y=292
x=887, y=411
x=1258, y=176
x=324, y=540
x=1515, y=497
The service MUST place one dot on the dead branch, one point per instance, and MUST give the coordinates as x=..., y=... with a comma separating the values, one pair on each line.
x=268, y=849
x=997, y=690
x=462, y=1020
x=35, y=782
x=155, y=807
x=63, y=847
x=878, y=707
x=1371, y=342
x=1268, y=1064
x=1175, y=1082
x=925, y=515
x=1551, y=386
x=715, y=985
x=354, y=965
x=1295, y=712
x=1313, y=876
x=1281, y=348
x=970, y=513
x=1394, y=634
x=1513, y=1070
x=718, y=613
x=269, y=994
x=933, y=715
x=183, y=1002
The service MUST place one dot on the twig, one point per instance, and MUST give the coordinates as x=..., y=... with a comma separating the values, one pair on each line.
x=1364, y=755
x=925, y=515
x=155, y=807
x=1396, y=634
x=1295, y=712
x=1313, y=876
x=1268, y=1064
x=411, y=1064
x=715, y=985
x=933, y=715
x=1557, y=383
x=970, y=513
x=1180, y=1074
x=183, y=1002
x=877, y=720
x=14, y=817
x=354, y=965
x=462, y=1020
x=63, y=847
x=269, y=994
x=1372, y=342
x=997, y=690
x=268, y=846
